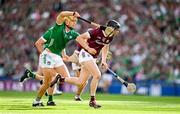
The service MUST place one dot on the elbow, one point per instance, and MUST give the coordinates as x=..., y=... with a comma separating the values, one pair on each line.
x=38, y=44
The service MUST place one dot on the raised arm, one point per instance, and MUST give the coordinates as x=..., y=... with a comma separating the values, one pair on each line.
x=60, y=17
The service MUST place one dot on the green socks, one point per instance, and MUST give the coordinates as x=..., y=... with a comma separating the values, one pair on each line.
x=50, y=98
x=32, y=74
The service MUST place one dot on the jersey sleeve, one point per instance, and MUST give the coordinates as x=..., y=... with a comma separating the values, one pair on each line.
x=75, y=35
x=92, y=32
x=46, y=35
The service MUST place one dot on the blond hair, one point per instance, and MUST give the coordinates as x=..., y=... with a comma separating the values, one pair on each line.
x=70, y=18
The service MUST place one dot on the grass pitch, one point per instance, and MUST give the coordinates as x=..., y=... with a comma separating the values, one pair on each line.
x=20, y=103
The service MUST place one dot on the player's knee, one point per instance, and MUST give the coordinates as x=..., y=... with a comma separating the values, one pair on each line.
x=85, y=83
x=97, y=76
x=81, y=83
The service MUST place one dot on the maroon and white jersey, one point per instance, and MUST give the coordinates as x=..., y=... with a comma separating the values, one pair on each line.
x=97, y=40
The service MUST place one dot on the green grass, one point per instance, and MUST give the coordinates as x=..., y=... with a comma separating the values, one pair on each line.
x=20, y=103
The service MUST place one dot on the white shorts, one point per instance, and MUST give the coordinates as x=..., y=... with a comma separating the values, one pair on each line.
x=84, y=56
x=50, y=60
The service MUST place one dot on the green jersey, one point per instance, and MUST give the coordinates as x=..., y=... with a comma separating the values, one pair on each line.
x=57, y=38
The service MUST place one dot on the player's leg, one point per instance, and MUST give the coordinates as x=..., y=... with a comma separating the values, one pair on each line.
x=40, y=74
x=72, y=80
x=47, y=64
x=89, y=63
x=80, y=82
x=28, y=74
x=48, y=73
x=80, y=89
x=92, y=67
x=84, y=75
x=77, y=68
x=49, y=92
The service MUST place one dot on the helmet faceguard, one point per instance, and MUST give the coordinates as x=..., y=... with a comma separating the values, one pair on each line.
x=112, y=28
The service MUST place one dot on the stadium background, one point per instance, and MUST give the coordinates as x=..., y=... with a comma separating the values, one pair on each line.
x=147, y=48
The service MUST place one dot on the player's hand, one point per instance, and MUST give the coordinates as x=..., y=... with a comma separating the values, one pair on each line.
x=104, y=65
x=76, y=14
x=74, y=58
x=65, y=58
x=91, y=51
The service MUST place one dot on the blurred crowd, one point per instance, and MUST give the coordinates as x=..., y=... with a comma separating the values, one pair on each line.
x=148, y=46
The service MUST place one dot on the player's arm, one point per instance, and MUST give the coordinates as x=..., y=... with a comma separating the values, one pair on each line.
x=60, y=17
x=65, y=57
x=39, y=44
x=105, y=50
x=63, y=53
x=82, y=40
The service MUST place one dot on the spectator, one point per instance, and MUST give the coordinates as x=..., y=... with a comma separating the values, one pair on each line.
x=149, y=38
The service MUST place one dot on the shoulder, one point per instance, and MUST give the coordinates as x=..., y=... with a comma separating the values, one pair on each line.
x=95, y=31
x=74, y=32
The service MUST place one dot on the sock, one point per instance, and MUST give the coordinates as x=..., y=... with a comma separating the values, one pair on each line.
x=92, y=98
x=50, y=98
x=62, y=79
x=31, y=74
x=38, y=98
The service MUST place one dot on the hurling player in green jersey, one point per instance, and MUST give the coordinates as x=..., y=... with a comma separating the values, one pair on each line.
x=51, y=47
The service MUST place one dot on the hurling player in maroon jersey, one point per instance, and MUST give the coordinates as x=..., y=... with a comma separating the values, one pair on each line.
x=94, y=41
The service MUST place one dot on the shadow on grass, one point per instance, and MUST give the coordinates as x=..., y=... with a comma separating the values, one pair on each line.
x=22, y=107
